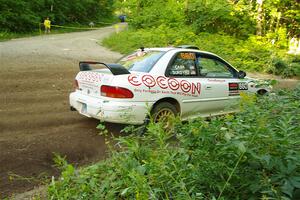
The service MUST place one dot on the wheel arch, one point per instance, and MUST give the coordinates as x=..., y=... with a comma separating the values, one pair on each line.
x=169, y=100
x=262, y=92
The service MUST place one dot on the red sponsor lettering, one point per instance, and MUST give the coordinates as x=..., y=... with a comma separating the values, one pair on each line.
x=148, y=80
x=133, y=81
x=196, y=88
x=185, y=86
x=161, y=81
x=165, y=83
x=173, y=84
x=233, y=85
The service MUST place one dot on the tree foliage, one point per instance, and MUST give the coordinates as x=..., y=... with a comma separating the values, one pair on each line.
x=234, y=17
x=24, y=15
x=149, y=13
x=218, y=16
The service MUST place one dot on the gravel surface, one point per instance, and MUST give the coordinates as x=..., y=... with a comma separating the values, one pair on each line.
x=36, y=77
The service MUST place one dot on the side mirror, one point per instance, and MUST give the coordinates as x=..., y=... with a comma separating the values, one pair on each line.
x=241, y=74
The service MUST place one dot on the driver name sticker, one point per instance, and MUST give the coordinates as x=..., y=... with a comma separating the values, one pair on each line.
x=187, y=56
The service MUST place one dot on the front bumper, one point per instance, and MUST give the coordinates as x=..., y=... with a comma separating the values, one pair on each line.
x=123, y=112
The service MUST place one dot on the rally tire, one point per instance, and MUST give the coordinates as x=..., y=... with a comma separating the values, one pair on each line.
x=162, y=111
x=262, y=92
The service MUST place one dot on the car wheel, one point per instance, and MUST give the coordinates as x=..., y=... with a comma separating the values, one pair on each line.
x=163, y=111
x=262, y=92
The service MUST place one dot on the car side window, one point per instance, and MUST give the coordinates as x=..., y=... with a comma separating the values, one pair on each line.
x=184, y=64
x=213, y=68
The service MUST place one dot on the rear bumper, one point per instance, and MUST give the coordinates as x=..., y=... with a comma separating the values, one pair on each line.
x=123, y=112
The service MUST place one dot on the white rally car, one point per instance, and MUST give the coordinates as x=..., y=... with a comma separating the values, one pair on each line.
x=160, y=82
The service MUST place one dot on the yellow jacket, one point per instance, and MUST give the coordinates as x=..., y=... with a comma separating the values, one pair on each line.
x=47, y=23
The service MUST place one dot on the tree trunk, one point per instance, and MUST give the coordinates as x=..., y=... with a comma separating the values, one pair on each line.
x=259, y=19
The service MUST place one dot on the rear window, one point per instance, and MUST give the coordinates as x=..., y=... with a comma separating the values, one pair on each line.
x=141, y=61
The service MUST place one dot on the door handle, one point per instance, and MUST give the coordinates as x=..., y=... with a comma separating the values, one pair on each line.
x=208, y=87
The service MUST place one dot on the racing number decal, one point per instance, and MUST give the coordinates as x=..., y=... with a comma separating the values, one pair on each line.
x=238, y=86
x=243, y=86
x=234, y=88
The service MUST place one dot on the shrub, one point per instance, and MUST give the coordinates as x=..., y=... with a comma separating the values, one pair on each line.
x=251, y=155
x=254, y=54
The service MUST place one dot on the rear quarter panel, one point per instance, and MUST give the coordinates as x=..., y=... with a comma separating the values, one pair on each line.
x=150, y=88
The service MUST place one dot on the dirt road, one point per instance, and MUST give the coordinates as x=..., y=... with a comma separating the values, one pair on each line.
x=36, y=77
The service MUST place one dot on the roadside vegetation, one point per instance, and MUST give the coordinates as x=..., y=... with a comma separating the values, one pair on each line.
x=251, y=155
x=252, y=35
x=250, y=54
x=20, y=18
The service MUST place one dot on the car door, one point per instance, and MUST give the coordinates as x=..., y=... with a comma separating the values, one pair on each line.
x=219, y=82
x=182, y=69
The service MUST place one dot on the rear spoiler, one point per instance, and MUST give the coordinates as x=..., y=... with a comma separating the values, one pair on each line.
x=116, y=69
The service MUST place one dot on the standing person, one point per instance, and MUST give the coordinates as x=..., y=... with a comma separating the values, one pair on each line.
x=47, y=24
x=91, y=24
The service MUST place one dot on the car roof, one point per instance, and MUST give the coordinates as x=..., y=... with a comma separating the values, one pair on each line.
x=178, y=49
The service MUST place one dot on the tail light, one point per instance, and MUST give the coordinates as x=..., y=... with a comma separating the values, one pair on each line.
x=76, y=86
x=115, y=92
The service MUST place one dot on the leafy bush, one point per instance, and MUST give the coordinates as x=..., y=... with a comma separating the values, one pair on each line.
x=251, y=155
x=254, y=54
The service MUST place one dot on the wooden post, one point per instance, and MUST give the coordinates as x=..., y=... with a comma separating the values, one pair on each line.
x=40, y=28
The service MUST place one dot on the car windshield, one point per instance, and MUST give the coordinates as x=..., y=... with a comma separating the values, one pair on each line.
x=141, y=61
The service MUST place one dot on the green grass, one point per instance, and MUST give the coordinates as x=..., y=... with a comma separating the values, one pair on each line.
x=4, y=36
x=251, y=155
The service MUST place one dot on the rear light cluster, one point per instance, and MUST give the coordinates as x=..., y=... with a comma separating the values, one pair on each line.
x=115, y=92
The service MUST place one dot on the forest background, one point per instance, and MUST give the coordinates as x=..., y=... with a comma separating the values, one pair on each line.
x=254, y=35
